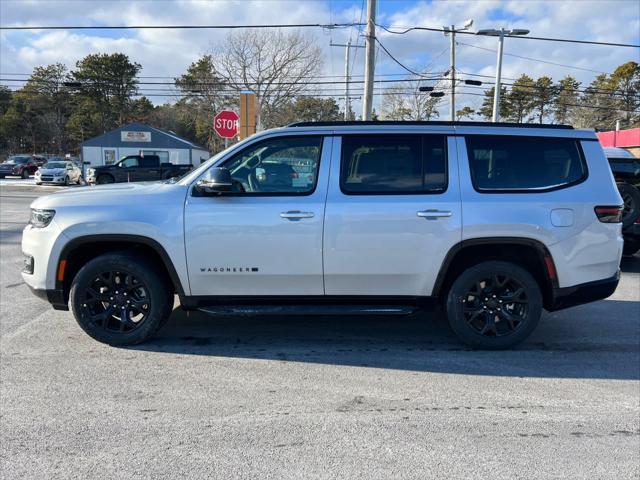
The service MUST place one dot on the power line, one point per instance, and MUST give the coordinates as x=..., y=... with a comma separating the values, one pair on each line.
x=533, y=59
x=298, y=25
x=222, y=83
x=413, y=72
x=180, y=27
x=527, y=37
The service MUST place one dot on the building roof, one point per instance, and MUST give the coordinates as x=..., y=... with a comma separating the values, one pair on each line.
x=620, y=138
x=159, y=138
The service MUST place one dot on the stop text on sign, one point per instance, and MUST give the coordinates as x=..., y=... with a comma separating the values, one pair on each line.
x=226, y=124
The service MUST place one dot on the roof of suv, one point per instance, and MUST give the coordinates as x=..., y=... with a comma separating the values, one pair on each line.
x=427, y=123
x=459, y=128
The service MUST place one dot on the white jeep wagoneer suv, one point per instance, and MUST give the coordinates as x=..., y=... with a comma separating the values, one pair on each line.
x=497, y=221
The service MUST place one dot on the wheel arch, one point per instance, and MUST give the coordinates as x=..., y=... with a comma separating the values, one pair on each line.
x=526, y=252
x=82, y=249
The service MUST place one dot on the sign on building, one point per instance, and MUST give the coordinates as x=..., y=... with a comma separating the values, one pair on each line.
x=130, y=136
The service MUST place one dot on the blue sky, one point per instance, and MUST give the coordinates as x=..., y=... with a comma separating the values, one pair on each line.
x=169, y=52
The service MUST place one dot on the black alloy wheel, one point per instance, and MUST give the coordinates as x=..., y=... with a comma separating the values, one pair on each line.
x=494, y=304
x=116, y=301
x=121, y=298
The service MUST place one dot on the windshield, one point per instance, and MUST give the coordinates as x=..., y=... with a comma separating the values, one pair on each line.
x=16, y=160
x=55, y=165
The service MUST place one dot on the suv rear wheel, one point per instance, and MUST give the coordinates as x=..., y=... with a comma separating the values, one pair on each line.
x=494, y=305
x=120, y=299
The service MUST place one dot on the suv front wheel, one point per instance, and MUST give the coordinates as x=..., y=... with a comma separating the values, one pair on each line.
x=494, y=305
x=120, y=298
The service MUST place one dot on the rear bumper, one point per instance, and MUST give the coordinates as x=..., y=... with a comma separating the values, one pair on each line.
x=583, y=293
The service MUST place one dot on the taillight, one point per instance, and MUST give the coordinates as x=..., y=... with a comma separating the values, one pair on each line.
x=609, y=214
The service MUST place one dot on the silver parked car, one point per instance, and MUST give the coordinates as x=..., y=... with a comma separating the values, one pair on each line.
x=61, y=172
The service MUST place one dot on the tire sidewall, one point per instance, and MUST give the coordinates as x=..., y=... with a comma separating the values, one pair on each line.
x=634, y=193
x=159, y=295
x=105, y=180
x=461, y=286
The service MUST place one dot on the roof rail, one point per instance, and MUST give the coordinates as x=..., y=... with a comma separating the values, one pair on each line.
x=427, y=123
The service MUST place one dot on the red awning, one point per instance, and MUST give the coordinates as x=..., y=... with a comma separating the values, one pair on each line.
x=621, y=138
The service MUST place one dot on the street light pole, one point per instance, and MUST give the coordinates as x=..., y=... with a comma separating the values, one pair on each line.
x=496, y=91
x=495, y=117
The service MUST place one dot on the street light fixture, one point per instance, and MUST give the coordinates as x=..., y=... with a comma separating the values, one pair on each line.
x=501, y=33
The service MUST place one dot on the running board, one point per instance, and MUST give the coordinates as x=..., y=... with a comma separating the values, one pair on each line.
x=229, y=310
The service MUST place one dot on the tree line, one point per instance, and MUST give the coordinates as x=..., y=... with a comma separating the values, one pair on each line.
x=57, y=108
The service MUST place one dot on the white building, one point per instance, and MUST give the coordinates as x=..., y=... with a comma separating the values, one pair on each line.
x=134, y=138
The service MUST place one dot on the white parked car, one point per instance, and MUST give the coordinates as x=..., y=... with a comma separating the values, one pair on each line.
x=495, y=221
x=59, y=172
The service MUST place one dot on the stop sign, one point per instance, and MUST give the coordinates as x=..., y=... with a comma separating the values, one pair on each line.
x=225, y=124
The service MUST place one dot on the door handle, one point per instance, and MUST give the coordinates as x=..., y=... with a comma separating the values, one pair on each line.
x=434, y=214
x=296, y=215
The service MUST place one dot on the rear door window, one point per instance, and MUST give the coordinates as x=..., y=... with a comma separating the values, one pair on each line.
x=393, y=164
x=520, y=163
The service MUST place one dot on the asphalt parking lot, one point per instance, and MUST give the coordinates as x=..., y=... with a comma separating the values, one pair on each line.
x=334, y=397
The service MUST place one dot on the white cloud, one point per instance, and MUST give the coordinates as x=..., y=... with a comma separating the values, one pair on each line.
x=169, y=52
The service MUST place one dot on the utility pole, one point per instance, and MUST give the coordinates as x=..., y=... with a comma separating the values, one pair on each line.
x=452, y=69
x=500, y=34
x=452, y=72
x=347, y=78
x=370, y=59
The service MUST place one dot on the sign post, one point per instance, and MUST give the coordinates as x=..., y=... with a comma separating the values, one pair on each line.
x=225, y=124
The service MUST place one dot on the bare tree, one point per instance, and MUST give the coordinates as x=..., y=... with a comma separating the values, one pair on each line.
x=274, y=65
x=405, y=102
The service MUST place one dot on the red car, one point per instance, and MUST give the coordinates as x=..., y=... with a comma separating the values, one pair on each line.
x=19, y=165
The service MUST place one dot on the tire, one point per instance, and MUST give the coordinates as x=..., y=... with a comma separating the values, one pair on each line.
x=631, y=203
x=104, y=179
x=143, y=294
x=467, y=305
x=1, y=176
x=38, y=183
x=66, y=181
x=630, y=247
x=25, y=174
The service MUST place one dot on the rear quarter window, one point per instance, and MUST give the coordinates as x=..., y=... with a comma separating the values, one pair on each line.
x=524, y=164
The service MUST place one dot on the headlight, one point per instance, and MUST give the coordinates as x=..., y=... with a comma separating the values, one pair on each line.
x=41, y=218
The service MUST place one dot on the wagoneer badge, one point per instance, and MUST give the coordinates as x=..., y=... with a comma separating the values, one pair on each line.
x=228, y=269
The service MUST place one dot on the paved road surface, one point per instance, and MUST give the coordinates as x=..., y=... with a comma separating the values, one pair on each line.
x=277, y=398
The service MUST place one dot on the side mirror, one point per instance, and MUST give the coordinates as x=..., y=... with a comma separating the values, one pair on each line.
x=219, y=182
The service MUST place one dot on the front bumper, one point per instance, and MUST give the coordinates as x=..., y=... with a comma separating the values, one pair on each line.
x=55, y=297
x=50, y=179
x=584, y=293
